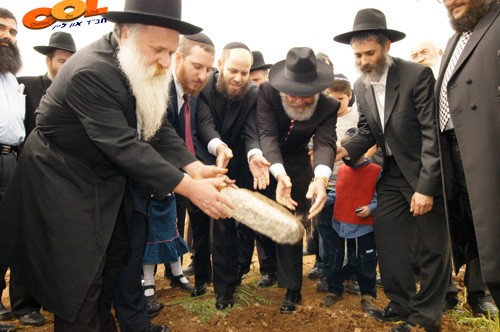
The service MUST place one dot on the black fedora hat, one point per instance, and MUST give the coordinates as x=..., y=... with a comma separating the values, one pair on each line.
x=258, y=62
x=300, y=74
x=373, y=20
x=58, y=41
x=162, y=13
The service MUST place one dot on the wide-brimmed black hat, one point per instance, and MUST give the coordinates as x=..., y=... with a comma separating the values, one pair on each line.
x=373, y=20
x=258, y=62
x=162, y=13
x=58, y=41
x=300, y=74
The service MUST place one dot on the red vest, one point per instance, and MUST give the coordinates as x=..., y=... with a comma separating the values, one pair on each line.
x=355, y=188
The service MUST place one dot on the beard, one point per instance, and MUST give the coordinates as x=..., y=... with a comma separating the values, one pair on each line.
x=468, y=21
x=373, y=72
x=10, y=57
x=149, y=84
x=182, y=79
x=223, y=87
x=299, y=113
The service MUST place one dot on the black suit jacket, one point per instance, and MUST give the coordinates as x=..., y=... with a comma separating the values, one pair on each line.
x=232, y=121
x=410, y=125
x=273, y=125
x=35, y=89
x=177, y=120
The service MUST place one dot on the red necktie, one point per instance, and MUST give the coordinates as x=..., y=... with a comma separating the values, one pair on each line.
x=292, y=123
x=188, y=135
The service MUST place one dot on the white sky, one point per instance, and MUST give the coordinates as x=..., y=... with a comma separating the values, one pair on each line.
x=270, y=26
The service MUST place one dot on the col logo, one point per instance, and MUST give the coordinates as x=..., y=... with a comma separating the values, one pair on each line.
x=66, y=10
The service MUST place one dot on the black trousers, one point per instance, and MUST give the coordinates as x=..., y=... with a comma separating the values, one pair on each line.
x=225, y=256
x=95, y=314
x=21, y=301
x=200, y=225
x=130, y=304
x=396, y=230
x=266, y=250
x=495, y=291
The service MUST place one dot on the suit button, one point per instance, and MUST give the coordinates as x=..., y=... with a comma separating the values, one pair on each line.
x=473, y=106
x=468, y=81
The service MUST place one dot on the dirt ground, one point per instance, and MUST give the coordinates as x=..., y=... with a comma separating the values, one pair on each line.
x=258, y=310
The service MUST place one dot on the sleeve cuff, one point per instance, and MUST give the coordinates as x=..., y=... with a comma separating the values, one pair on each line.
x=322, y=170
x=213, y=144
x=276, y=169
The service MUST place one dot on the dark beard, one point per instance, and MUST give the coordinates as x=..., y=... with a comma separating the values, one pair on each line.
x=469, y=19
x=10, y=58
x=224, y=89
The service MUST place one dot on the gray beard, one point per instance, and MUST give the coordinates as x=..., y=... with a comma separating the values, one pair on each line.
x=299, y=115
x=378, y=70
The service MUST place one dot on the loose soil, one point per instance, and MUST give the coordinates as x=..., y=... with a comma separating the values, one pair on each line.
x=258, y=309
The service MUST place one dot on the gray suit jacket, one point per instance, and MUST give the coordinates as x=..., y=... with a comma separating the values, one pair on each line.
x=474, y=100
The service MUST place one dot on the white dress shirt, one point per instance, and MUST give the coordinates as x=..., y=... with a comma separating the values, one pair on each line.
x=12, y=110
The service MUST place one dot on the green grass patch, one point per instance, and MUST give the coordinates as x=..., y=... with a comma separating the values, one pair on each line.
x=204, y=306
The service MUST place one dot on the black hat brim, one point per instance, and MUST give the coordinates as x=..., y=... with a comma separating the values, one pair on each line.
x=156, y=20
x=278, y=80
x=47, y=49
x=264, y=66
x=393, y=35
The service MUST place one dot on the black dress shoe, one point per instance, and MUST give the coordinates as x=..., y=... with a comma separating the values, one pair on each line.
x=486, y=308
x=7, y=327
x=33, y=319
x=154, y=308
x=386, y=315
x=224, y=300
x=156, y=328
x=5, y=314
x=291, y=300
x=315, y=272
x=199, y=290
x=405, y=327
x=267, y=280
x=177, y=283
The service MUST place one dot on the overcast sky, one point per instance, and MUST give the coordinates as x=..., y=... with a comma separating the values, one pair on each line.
x=270, y=26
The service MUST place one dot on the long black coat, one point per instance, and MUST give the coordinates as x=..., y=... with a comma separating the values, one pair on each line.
x=60, y=210
x=473, y=96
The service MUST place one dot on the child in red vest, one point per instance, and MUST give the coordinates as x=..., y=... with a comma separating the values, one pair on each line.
x=355, y=203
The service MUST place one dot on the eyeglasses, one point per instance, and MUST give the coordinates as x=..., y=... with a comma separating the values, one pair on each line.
x=421, y=53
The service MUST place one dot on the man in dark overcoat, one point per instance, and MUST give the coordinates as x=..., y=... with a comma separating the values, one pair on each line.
x=395, y=99
x=467, y=91
x=291, y=110
x=100, y=142
x=60, y=48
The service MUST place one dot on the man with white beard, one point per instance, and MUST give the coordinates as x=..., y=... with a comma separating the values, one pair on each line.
x=74, y=210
